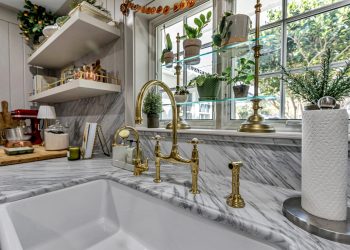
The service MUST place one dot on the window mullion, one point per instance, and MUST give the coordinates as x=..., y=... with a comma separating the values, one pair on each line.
x=283, y=55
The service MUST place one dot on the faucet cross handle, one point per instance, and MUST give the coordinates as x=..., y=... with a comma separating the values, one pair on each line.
x=195, y=141
x=235, y=200
x=158, y=138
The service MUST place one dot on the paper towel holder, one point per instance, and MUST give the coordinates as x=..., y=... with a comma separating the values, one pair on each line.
x=338, y=231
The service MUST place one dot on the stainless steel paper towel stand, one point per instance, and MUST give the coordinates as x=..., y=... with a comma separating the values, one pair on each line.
x=338, y=231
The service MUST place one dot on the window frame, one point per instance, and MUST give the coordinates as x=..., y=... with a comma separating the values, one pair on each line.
x=222, y=111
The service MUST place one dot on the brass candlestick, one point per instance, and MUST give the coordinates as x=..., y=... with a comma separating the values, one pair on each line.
x=181, y=123
x=255, y=123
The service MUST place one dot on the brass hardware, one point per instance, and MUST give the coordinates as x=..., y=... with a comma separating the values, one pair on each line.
x=255, y=123
x=139, y=166
x=174, y=155
x=181, y=123
x=235, y=200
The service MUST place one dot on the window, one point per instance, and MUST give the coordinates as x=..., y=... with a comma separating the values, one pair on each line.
x=195, y=111
x=298, y=31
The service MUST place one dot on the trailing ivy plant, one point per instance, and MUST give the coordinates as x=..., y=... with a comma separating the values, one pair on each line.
x=32, y=21
x=201, y=79
x=223, y=32
x=312, y=85
x=168, y=46
x=201, y=23
x=152, y=103
x=244, y=73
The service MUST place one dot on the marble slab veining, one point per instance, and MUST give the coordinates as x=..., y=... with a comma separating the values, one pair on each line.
x=261, y=219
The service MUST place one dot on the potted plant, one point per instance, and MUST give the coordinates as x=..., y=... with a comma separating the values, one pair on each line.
x=167, y=54
x=152, y=107
x=233, y=28
x=192, y=44
x=181, y=94
x=208, y=86
x=313, y=85
x=243, y=77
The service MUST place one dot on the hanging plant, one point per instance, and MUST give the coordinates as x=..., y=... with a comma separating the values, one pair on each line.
x=32, y=21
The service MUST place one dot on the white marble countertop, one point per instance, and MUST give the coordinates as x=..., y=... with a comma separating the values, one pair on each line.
x=261, y=219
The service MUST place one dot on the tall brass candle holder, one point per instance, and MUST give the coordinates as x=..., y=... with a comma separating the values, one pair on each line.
x=181, y=123
x=255, y=123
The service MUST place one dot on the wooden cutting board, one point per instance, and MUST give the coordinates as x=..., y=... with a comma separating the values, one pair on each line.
x=39, y=154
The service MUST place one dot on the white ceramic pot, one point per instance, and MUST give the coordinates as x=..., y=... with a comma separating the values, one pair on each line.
x=168, y=59
x=56, y=141
x=181, y=98
x=192, y=48
x=50, y=30
x=239, y=29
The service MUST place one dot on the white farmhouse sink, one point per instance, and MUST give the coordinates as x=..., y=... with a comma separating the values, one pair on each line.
x=105, y=215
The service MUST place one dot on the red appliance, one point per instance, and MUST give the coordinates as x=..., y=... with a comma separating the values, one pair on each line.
x=23, y=114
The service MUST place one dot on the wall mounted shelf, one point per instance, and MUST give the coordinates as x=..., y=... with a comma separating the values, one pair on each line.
x=80, y=35
x=74, y=90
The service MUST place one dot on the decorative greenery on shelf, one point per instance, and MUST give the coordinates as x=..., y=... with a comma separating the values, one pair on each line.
x=32, y=21
x=199, y=80
x=223, y=31
x=313, y=85
x=201, y=23
x=168, y=46
x=181, y=90
x=244, y=73
x=75, y=3
x=152, y=103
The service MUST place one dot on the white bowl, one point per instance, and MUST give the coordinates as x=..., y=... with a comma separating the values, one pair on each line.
x=49, y=30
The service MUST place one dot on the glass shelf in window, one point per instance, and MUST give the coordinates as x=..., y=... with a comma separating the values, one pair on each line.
x=233, y=50
x=244, y=99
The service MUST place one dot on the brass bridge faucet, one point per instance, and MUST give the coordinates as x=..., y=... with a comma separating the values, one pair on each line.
x=174, y=155
x=139, y=166
x=235, y=199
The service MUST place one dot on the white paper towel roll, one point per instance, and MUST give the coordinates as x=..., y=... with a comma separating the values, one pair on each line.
x=325, y=163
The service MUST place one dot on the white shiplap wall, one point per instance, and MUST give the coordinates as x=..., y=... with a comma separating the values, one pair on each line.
x=15, y=78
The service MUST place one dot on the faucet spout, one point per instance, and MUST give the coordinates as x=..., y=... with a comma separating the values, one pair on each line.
x=167, y=90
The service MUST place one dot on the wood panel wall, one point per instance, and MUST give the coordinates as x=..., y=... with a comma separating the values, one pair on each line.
x=15, y=78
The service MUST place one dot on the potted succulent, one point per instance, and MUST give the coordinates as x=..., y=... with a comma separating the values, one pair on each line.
x=243, y=77
x=167, y=54
x=233, y=28
x=152, y=107
x=313, y=85
x=208, y=86
x=192, y=44
x=181, y=94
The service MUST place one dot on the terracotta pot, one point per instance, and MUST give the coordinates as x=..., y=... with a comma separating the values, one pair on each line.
x=192, y=48
x=169, y=59
x=241, y=91
x=153, y=120
x=181, y=98
x=239, y=29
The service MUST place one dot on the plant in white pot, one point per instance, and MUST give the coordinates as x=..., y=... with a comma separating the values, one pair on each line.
x=192, y=44
x=243, y=77
x=181, y=94
x=167, y=53
x=233, y=28
x=312, y=85
x=152, y=107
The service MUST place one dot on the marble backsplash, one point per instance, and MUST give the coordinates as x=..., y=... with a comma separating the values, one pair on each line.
x=107, y=110
x=271, y=161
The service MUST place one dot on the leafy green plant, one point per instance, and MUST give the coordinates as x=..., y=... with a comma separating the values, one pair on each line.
x=32, y=21
x=199, y=80
x=201, y=23
x=313, y=85
x=181, y=90
x=75, y=3
x=168, y=46
x=223, y=32
x=244, y=73
x=152, y=103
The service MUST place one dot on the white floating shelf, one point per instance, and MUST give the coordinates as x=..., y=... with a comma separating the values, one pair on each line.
x=80, y=35
x=74, y=90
